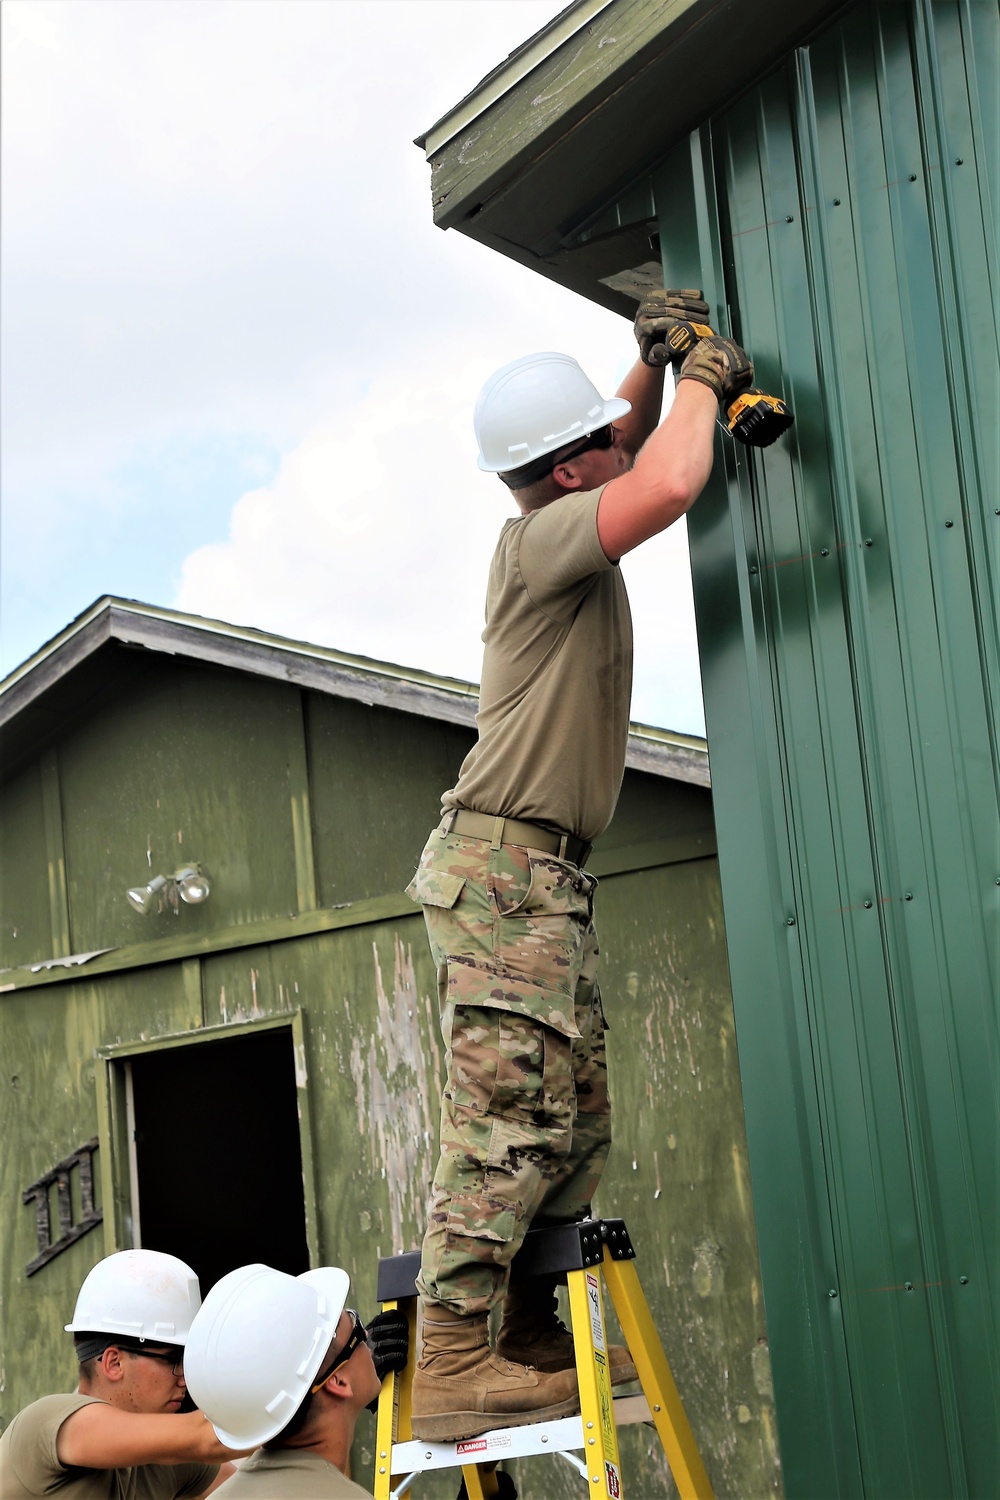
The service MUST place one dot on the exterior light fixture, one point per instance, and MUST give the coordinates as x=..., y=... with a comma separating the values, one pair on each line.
x=142, y=897
x=192, y=886
x=189, y=883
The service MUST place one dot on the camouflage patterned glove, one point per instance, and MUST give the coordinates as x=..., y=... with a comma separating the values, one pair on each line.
x=659, y=311
x=720, y=364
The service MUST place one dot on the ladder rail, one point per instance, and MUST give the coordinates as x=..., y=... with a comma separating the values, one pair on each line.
x=596, y=1408
x=657, y=1380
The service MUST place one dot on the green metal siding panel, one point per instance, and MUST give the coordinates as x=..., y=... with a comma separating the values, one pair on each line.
x=854, y=248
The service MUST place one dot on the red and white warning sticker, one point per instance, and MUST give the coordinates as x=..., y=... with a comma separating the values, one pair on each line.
x=483, y=1445
x=613, y=1480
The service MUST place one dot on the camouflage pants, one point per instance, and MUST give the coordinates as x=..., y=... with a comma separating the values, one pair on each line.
x=525, y=1116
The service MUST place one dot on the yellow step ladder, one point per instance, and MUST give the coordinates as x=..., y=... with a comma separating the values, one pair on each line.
x=586, y=1253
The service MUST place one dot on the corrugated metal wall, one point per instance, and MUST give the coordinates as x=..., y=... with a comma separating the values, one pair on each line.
x=843, y=219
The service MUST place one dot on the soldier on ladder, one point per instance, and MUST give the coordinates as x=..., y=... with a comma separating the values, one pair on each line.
x=525, y=1122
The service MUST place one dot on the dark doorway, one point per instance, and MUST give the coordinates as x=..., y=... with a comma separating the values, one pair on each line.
x=218, y=1163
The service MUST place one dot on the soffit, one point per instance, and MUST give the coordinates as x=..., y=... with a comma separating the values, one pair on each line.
x=588, y=107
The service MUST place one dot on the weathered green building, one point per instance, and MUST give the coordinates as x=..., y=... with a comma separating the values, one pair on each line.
x=255, y=1075
x=828, y=173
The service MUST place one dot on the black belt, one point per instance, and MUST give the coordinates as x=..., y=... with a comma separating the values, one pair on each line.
x=524, y=835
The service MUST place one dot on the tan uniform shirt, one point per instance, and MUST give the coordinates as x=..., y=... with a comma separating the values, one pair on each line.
x=557, y=676
x=29, y=1465
x=288, y=1474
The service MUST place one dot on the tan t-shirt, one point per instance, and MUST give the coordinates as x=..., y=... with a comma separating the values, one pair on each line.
x=288, y=1474
x=29, y=1466
x=557, y=676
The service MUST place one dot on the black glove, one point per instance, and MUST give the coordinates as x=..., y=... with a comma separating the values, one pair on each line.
x=389, y=1342
x=505, y=1492
x=662, y=309
x=721, y=365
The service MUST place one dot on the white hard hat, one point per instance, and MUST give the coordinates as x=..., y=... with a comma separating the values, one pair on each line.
x=535, y=405
x=257, y=1345
x=138, y=1294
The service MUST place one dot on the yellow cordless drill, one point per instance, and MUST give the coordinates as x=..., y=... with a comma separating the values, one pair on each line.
x=753, y=416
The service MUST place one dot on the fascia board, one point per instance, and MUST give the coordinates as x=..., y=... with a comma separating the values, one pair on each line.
x=602, y=105
x=508, y=74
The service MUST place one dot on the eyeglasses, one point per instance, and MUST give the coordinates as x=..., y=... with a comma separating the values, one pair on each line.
x=172, y=1358
x=357, y=1337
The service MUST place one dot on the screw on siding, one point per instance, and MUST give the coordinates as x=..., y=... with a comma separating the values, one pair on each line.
x=753, y=568
x=908, y=1285
x=869, y=542
x=836, y=202
x=949, y=523
x=959, y=160
x=867, y=903
x=963, y=1280
x=790, y=921
x=913, y=176
x=824, y=552
x=789, y=218
x=907, y=895
x=831, y=1293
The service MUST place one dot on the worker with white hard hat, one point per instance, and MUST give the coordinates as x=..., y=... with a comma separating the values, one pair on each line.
x=525, y=1118
x=123, y=1432
x=279, y=1363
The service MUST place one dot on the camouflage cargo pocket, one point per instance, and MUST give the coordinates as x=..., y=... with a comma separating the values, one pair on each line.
x=430, y=887
x=543, y=908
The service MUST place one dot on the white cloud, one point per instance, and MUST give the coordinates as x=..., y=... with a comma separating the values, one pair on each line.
x=376, y=534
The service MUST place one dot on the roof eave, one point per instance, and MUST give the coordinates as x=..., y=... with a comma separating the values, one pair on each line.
x=535, y=151
x=124, y=622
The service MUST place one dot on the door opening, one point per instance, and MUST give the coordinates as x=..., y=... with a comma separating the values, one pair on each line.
x=217, y=1169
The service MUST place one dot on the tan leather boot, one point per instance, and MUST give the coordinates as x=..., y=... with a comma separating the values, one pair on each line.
x=461, y=1388
x=532, y=1332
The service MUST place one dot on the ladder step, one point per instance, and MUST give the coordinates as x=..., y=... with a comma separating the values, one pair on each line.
x=565, y=1247
x=562, y=1435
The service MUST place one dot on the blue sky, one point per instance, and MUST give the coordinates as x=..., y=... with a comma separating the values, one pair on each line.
x=239, y=361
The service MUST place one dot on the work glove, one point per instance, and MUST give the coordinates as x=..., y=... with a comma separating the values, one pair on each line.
x=662, y=309
x=389, y=1342
x=720, y=364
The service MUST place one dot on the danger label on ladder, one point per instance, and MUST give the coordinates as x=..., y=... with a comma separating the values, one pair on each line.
x=596, y=1320
x=613, y=1481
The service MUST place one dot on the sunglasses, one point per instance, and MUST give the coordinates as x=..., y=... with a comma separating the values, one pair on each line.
x=604, y=437
x=358, y=1336
x=173, y=1358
